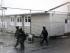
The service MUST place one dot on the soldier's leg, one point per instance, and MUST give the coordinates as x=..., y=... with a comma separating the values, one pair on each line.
x=46, y=41
x=17, y=43
x=42, y=41
x=22, y=45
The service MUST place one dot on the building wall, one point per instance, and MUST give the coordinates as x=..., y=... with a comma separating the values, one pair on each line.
x=10, y=26
x=38, y=22
x=13, y=21
x=57, y=25
x=9, y=23
x=27, y=29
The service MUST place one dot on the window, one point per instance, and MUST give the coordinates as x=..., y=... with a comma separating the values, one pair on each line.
x=17, y=19
x=66, y=20
x=12, y=19
x=20, y=19
x=27, y=19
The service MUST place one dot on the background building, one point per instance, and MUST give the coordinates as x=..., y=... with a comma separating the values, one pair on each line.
x=56, y=22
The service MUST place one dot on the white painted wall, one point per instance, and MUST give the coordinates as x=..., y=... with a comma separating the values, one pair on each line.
x=58, y=25
x=38, y=21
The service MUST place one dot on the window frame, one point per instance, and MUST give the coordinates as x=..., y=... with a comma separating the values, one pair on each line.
x=27, y=19
x=12, y=19
x=19, y=19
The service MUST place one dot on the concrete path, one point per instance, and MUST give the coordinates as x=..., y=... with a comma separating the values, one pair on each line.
x=59, y=45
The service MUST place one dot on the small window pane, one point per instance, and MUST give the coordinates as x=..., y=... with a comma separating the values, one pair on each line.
x=66, y=20
x=29, y=20
x=18, y=20
x=11, y=19
x=29, y=17
x=25, y=20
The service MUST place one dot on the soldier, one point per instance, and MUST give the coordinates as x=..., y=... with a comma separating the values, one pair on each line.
x=17, y=36
x=45, y=35
x=22, y=38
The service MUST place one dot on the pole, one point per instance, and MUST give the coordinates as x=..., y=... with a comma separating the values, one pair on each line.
x=30, y=21
x=23, y=22
x=2, y=16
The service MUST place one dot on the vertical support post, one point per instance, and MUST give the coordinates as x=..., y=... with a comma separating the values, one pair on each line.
x=2, y=21
x=1, y=17
x=15, y=20
x=31, y=21
x=23, y=22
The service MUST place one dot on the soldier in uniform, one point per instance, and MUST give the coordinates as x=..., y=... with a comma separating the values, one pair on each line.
x=22, y=38
x=17, y=36
x=44, y=33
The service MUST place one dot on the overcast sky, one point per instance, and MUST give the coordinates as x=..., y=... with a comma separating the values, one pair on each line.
x=33, y=4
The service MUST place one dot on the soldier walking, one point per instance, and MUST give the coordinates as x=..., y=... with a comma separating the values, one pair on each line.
x=21, y=37
x=17, y=36
x=44, y=33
